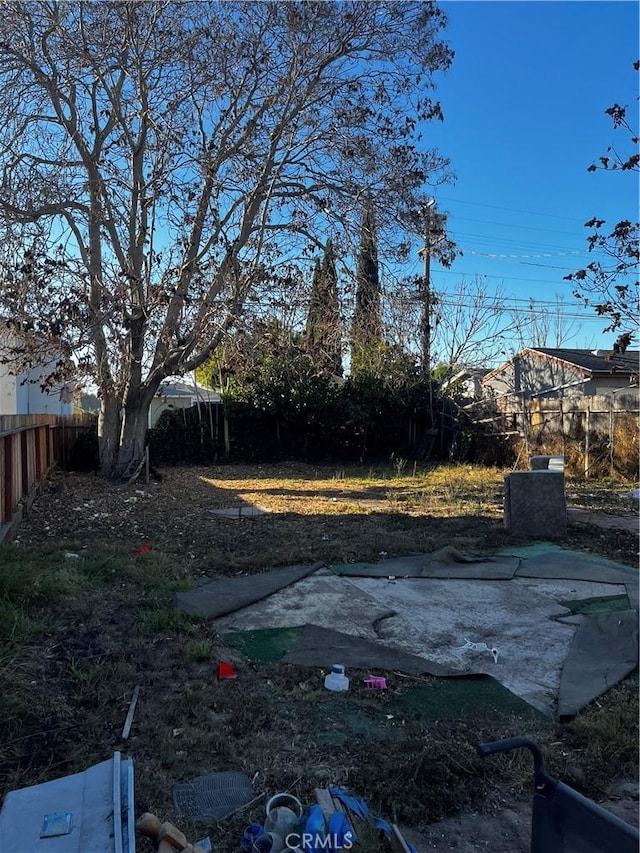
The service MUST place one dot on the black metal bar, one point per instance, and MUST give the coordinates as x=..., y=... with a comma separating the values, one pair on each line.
x=540, y=778
x=563, y=821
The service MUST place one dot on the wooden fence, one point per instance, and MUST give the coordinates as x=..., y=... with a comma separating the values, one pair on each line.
x=30, y=446
x=577, y=426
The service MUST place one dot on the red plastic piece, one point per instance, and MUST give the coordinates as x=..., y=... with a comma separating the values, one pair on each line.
x=143, y=549
x=226, y=671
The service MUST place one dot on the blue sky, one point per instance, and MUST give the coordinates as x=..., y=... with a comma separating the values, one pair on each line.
x=524, y=114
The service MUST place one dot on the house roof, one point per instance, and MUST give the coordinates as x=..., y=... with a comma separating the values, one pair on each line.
x=175, y=386
x=590, y=362
x=466, y=373
x=595, y=361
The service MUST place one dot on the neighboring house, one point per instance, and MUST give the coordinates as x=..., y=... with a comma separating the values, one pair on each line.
x=558, y=373
x=21, y=391
x=468, y=380
x=174, y=393
x=179, y=393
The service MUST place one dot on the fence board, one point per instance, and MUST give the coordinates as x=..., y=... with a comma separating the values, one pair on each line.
x=30, y=446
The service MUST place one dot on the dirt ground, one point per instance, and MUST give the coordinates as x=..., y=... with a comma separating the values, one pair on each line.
x=187, y=723
x=506, y=829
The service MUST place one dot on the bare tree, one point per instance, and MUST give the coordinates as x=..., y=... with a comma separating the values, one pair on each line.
x=544, y=325
x=470, y=325
x=158, y=159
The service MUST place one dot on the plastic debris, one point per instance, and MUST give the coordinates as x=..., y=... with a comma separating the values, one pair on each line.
x=315, y=830
x=336, y=680
x=477, y=647
x=281, y=821
x=226, y=671
x=71, y=556
x=145, y=548
x=212, y=797
x=284, y=800
x=340, y=831
x=88, y=811
x=250, y=835
x=359, y=808
x=375, y=682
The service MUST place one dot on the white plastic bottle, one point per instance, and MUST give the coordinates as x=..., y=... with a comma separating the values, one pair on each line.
x=336, y=680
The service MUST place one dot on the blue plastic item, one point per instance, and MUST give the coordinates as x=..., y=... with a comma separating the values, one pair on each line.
x=340, y=832
x=249, y=836
x=315, y=830
x=360, y=809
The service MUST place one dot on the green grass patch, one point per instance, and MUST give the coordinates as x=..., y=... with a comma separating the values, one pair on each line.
x=167, y=620
x=16, y=627
x=456, y=698
x=598, y=604
x=38, y=576
x=538, y=549
x=199, y=650
x=341, y=720
x=267, y=645
x=348, y=568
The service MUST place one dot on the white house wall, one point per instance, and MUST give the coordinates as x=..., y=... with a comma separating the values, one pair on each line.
x=22, y=394
x=164, y=404
x=32, y=400
x=8, y=402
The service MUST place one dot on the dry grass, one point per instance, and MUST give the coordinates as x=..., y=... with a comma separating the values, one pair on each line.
x=77, y=633
x=311, y=514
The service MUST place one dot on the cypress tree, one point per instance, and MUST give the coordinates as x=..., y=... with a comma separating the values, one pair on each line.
x=366, y=327
x=323, y=334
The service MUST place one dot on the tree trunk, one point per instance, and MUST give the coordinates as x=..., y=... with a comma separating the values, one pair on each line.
x=108, y=433
x=133, y=435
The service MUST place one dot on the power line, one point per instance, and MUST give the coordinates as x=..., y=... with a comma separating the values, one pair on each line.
x=510, y=209
x=516, y=225
x=500, y=239
x=465, y=240
x=502, y=278
x=521, y=258
x=523, y=310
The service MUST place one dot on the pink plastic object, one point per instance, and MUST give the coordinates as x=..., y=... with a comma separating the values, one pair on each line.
x=375, y=682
